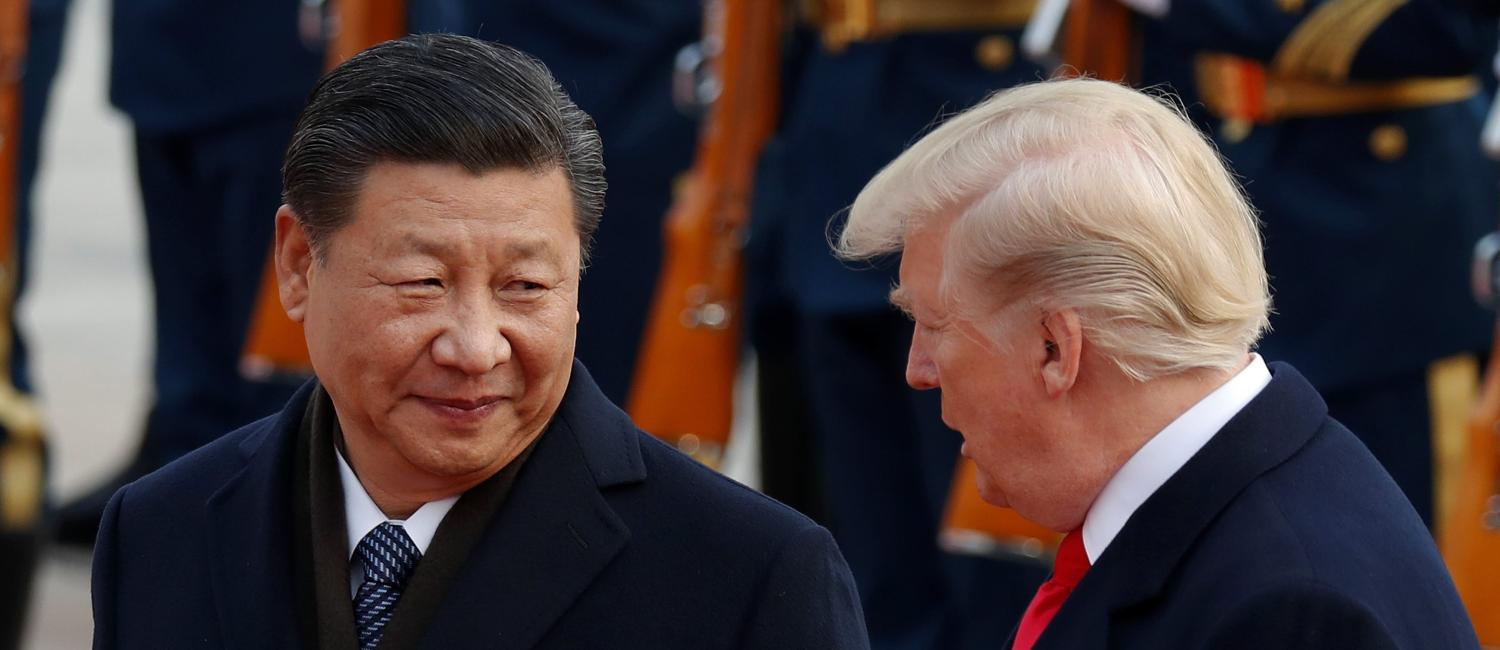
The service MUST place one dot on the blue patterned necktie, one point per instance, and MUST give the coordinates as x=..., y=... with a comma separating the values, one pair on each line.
x=389, y=556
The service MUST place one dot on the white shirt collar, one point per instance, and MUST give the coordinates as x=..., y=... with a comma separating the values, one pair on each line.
x=1165, y=453
x=361, y=514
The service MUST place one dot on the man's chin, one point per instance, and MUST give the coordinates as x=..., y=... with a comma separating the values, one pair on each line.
x=456, y=466
x=989, y=491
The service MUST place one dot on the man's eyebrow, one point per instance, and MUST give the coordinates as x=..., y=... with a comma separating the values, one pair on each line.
x=901, y=300
x=524, y=249
x=423, y=246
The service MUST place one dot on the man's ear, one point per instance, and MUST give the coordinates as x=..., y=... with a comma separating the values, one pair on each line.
x=294, y=261
x=1063, y=345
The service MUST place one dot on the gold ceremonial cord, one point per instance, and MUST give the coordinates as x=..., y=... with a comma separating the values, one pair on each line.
x=849, y=21
x=1452, y=390
x=21, y=459
x=1325, y=44
x=21, y=454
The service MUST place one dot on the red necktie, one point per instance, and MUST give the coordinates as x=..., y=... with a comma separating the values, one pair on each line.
x=1072, y=562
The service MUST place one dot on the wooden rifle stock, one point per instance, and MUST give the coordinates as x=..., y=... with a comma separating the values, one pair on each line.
x=13, y=29
x=274, y=343
x=359, y=24
x=1100, y=39
x=1470, y=536
x=684, y=379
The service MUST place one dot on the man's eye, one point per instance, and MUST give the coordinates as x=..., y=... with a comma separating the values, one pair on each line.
x=525, y=286
x=930, y=328
x=424, y=283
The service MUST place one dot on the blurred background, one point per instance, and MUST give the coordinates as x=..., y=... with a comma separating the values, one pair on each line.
x=88, y=313
x=89, y=308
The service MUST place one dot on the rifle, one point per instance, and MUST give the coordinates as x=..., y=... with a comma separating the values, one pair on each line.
x=359, y=24
x=684, y=378
x=13, y=28
x=1099, y=41
x=274, y=343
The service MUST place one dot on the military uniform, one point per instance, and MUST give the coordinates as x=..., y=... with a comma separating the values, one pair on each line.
x=614, y=57
x=1355, y=126
x=886, y=458
x=213, y=89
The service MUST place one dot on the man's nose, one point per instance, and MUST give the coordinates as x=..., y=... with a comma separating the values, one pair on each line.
x=921, y=373
x=472, y=341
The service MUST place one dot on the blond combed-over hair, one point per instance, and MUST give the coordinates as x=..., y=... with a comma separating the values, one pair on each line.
x=1089, y=195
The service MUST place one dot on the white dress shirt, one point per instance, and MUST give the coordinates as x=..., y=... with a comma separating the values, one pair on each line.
x=1165, y=453
x=361, y=515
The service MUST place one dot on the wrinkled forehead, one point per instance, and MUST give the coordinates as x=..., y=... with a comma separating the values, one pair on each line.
x=937, y=281
x=927, y=262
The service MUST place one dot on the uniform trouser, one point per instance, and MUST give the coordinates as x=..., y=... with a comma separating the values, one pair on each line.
x=617, y=288
x=20, y=546
x=888, y=463
x=210, y=199
x=790, y=471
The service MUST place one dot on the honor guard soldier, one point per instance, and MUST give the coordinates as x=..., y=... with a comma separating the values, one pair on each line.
x=861, y=80
x=1355, y=126
x=212, y=89
x=615, y=57
x=31, y=36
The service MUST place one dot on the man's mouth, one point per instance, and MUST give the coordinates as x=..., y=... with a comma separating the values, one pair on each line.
x=461, y=410
x=467, y=404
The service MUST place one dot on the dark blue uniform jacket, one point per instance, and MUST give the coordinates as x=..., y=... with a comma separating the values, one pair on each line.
x=186, y=65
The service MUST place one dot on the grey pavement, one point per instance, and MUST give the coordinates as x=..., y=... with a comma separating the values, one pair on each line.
x=86, y=314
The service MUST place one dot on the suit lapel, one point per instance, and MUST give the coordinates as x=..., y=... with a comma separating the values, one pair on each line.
x=1137, y=564
x=554, y=533
x=251, y=538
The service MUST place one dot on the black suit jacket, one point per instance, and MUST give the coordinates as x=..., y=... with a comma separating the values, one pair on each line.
x=608, y=539
x=1282, y=532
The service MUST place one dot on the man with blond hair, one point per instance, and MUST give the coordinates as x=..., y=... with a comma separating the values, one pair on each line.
x=1087, y=283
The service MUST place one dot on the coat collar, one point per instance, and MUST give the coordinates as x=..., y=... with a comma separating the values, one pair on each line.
x=1137, y=564
x=550, y=539
x=554, y=533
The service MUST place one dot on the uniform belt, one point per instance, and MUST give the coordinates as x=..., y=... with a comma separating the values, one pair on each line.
x=1240, y=89
x=846, y=21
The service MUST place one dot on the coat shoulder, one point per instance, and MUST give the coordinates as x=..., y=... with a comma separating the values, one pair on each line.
x=197, y=475
x=1329, y=535
x=712, y=500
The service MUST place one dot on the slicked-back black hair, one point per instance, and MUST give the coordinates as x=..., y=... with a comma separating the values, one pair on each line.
x=437, y=98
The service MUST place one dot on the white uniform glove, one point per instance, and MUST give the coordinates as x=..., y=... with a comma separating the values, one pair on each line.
x=1152, y=8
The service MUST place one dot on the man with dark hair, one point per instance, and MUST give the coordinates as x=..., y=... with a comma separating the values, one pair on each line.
x=452, y=477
